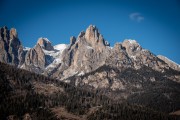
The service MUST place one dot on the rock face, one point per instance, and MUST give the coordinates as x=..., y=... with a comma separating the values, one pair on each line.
x=72, y=40
x=119, y=57
x=45, y=43
x=35, y=60
x=171, y=64
x=85, y=54
x=10, y=46
x=130, y=54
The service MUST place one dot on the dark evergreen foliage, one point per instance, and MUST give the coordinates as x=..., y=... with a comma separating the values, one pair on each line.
x=18, y=97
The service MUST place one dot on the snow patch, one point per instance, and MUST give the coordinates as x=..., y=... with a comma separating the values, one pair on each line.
x=55, y=55
x=60, y=47
x=132, y=41
x=26, y=48
x=109, y=47
x=45, y=39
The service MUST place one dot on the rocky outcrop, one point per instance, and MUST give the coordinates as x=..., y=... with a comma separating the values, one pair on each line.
x=21, y=56
x=35, y=60
x=72, y=40
x=45, y=43
x=4, y=44
x=14, y=46
x=119, y=57
x=171, y=64
x=13, y=33
x=85, y=54
x=9, y=46
x=140, y=56
x=129, y=54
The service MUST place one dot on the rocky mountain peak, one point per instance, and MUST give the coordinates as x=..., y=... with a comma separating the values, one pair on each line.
x=13, y=33
x=118, y=47
x=132, y=46
x=94, y=38
x=72, y=40
x=92, y=33
x=9, y=46
x=4, y=34
x=45, y=43
x=85, y=54
x=35, y=59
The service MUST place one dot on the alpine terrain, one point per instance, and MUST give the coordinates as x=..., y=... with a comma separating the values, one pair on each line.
x=86, y=79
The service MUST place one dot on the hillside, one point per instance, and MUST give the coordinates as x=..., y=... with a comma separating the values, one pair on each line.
x=27, y=95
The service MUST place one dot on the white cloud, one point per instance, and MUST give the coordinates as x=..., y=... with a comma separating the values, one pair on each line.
x=136, y=17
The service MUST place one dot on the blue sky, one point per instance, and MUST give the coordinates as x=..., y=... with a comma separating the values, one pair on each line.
x=155, y=24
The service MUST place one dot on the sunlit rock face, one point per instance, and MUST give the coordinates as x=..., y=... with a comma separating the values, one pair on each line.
x=10, y=46
x=85, y=53
x=171, y=64
x=45, y=43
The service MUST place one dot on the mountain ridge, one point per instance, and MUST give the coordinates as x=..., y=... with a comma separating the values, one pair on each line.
x=90, y=39
x=126, y=72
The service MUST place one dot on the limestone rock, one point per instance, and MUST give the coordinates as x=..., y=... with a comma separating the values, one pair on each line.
x=94, y=38
x=131, y=46
x=35, y=59
x=9, y=46
x=86, y=54
x=14, y=46
x=13, y=33
x=72, y=40
x=141, y=57
x=3, y=51
x=171, y=64
x=119, y=57
x=21, y=55
x=45, y=43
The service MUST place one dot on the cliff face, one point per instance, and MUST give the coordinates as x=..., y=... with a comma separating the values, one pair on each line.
x=10, y=46
x=35, y=60
x=84, y=54
x=171, y=64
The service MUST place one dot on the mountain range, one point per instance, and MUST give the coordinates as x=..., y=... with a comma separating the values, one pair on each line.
x=125, y=73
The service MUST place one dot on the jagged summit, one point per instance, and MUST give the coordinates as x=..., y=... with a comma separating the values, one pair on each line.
x=10, y=46
x=131, y=41
x=85, y=53
x=13, y=33
x=92, y=37
x=132, y=46
x=45, y=43
x=92, y=33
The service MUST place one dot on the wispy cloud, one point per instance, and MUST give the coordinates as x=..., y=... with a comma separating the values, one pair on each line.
x=136, y=17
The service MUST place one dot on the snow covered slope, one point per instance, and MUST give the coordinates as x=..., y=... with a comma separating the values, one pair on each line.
x=53, y=57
